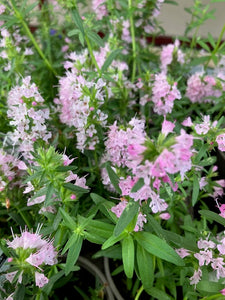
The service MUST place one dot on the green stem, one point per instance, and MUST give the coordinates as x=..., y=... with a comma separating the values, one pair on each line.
x=139, y=292
x=30, y=35
x=133, y=41
x=25, y=218
x=92, y=55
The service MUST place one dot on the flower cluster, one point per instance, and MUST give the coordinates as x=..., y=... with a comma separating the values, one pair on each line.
x=203, y=88
x=28, y=116
x=31, y=253
x=169, y=54
x=164, y=94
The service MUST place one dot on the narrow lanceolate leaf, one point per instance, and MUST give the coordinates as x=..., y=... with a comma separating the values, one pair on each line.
x=209, y=286
x=126, y=217
x=105, y=206
x=195, y=192
x=145, y=267
x=95, y=38
x=210, y=215
x=77, y=20
x=154, y=245
x=110, y=59
x=158, y=294
x=69, y=222
x=66, y=168
x=113, y=178
x=75, y=188
x=128, y=255
x=139, y=184
x=73, y=254
x=19, y=292
x=112, y=240
x=71, y=241
x=48, y=198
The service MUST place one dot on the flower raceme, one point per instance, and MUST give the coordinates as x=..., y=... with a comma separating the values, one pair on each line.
x=28, y=116
x=31, y=253
x=154, y=162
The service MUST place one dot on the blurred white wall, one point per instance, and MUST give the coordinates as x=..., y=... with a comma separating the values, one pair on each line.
x=174, y=18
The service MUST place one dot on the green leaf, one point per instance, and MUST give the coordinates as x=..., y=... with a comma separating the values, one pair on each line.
x=48, y=287
x=158, y=294
x=105, y=206
x=72, y=240
x=65, y=168
x=112, y=240
x=69, y=222
x=73, y=254
x=49, y=193
x=75, y=188
x=77, y=20
x=155, y=225
x=110, y=59
x=73, y=32
x=128, y=255
x=145, y=267
x=100, y=228
x=209, y=286
x=126, y=217
x=19, y=292
x=94, y=37
x=171, y=2
x=208, y=161
x=204, y=45
x=211, y=40
x=199, y=60
x=94, y=238
x=215, y=1
x=33, y=176
x=180, y=241
x=210, y=215
x=112, y=252
x=113, y=178
x=201, y=153
x=195, y=192
x=139, y=184
x=30, y=7
x=158, y=247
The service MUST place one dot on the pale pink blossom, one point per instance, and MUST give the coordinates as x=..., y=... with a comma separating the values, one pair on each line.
x=40, y=279
x=204, y=257
x=182, y=252
x=196, y=277
x=220, y=139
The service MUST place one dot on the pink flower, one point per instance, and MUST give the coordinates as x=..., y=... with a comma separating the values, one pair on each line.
x=205, y=244
x=10, y=276
x=220, y=139
x=204, y=257
x=187, y=122
x=200, y=88
x=99, y=8
x=182, y=252
x=167, y=127
x=140, y=222
x=119, y=208
x=164, y=94
x=196, y=277
x=170, y=53
x=165, y=216
x=40, y=279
